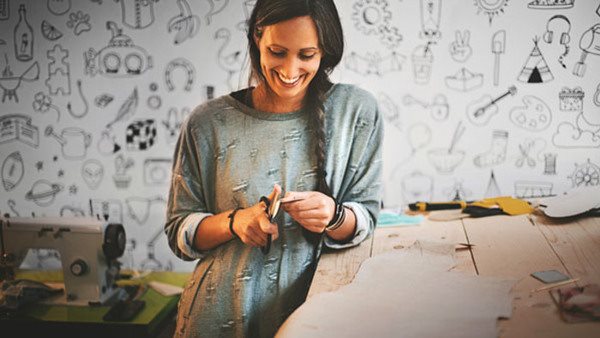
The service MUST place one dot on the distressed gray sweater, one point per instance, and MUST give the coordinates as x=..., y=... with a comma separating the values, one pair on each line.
x=229, y=155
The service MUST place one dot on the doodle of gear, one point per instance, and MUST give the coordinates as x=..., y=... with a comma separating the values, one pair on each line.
x=370, y=16
x=586, y=174
x=390, y=36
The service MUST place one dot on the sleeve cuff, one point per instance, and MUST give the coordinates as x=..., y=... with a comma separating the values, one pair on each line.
x=187, y=231
x=363, y=228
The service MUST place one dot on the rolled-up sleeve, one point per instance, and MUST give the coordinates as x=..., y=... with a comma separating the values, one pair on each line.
x=363, y=195
x=186, y=206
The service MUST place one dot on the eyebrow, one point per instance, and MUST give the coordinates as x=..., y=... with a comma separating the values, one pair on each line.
x=307, y=49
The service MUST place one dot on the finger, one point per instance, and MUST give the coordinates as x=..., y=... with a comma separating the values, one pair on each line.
x=258, y=237
x=294, y=196
x=466, y=37
x=457, y=36
x=306, y=205
x=267, y=227
x=276, y=191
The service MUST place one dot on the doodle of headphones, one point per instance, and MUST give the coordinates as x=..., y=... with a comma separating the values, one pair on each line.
x=565, y=38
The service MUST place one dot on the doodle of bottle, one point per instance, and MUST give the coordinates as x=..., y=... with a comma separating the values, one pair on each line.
x=23, y=37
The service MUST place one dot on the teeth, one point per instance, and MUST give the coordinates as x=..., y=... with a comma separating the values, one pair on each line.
x=286, y=80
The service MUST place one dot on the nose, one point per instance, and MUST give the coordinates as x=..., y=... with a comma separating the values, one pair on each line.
x=290, y=67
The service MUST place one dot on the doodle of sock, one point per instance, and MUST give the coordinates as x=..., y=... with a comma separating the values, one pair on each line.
x=497, y=152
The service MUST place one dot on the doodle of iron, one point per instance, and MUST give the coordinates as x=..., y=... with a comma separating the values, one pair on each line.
x=551, y=4
x=83, y=99
x=107, y=145
x=157, y=171
x=140, y=135
x=137, y=14
x=42, y=103
x=460, y=50
x=79, y=22
x=422, y=59
x=589, y=43
x=59, y=7
x=23, y=37
x=445, y=160
x=491, y=8
x=464, y=80
x=74, y=141
x=535, y=69
x=12, y=171
x=481, y=110
x=190, y=73
x=110, y=210
x=4, y=9
x=498, y=48
x=533, y=189
x=550, y=164
x=585, y=174
x=50, y=32
x=496, y=154
x=431, y=12
x=120, y=58
x=390, y=110
x=172, y=125
x=565, y=38
x=59, y=74
x=121, y=178
x=43, y=192
x=139, y=208
x=374, y=63
x=92, y=172
x=103, y=100
x=10, y=83
x=185, y=24
x=230, y=61
x=216, y=7
x=571, y=99
x=127, y=109
x=71, y=211
x=493, y=189
x=15, y=127
x=534, y=115
x=597, y=96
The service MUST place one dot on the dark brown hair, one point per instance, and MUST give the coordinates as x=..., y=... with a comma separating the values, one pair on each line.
x=331, y=43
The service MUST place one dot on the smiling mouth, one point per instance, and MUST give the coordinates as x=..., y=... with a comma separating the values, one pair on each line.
x=289, y=82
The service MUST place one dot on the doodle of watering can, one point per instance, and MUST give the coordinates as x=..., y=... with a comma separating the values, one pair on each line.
x=74, y=141
x=120, y=58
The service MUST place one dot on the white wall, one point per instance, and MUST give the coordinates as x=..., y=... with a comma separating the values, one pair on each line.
x=539, y=147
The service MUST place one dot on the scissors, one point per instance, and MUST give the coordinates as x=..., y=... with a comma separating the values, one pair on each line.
x=272, y=212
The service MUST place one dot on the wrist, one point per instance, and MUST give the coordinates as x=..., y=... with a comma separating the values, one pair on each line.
x=338, y=218
x=231, y=218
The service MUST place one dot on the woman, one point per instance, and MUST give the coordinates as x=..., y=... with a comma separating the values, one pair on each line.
x=293, y=132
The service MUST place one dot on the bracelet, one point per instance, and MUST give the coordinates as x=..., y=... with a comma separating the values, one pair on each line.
x=231, y=216
x=338, y=218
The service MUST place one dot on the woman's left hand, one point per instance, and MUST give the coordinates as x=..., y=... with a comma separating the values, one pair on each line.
x=312, y=209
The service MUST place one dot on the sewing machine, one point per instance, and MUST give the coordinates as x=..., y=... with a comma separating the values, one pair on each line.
x=88, y=249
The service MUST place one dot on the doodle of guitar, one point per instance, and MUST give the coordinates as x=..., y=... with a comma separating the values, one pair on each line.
x=481, y=111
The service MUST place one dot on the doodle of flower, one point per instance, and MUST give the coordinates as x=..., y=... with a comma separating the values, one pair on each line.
x=80, y=21
x=42, y=103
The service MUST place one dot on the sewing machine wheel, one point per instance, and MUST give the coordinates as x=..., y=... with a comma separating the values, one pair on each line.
x=114, y=241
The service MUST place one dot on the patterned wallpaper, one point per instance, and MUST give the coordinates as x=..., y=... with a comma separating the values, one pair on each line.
x=480, y=98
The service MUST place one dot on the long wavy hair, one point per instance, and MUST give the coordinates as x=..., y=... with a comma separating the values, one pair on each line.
x=331, y=43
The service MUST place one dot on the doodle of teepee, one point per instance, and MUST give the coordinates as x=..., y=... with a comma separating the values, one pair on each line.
x=536, y=69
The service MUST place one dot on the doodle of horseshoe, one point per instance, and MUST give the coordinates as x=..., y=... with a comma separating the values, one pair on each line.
x=597, y=96
x=85, y=103
x=189, y=69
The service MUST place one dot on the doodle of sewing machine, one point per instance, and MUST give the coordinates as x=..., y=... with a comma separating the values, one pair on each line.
x=120, y=58
x=88, y=249
x=481, y=111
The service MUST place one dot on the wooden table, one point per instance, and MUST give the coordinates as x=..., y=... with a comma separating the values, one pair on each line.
x=504, y=246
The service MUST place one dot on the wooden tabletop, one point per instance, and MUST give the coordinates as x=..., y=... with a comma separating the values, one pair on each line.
x=504, y=246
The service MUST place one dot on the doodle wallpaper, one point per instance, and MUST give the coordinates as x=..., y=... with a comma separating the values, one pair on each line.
x=480, y=98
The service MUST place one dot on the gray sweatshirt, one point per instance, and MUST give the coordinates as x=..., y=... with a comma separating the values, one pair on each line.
x=229, y=155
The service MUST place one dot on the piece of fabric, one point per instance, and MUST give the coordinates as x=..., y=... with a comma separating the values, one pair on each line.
x=578, y=303
x=227, y=156
x=17, y=293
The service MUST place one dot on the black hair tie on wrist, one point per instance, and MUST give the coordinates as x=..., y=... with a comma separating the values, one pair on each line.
x=231, y=216
x=265, y=249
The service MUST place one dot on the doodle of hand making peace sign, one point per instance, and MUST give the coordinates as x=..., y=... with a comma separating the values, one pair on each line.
x=460, y=50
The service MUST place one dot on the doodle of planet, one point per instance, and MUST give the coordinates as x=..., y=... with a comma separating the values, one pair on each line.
x=43, y=192
x=12, y=171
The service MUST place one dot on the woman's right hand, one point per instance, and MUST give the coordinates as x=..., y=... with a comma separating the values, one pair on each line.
x=252, y=224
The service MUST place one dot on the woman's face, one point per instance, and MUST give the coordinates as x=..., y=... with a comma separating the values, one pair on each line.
x=290, y=56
